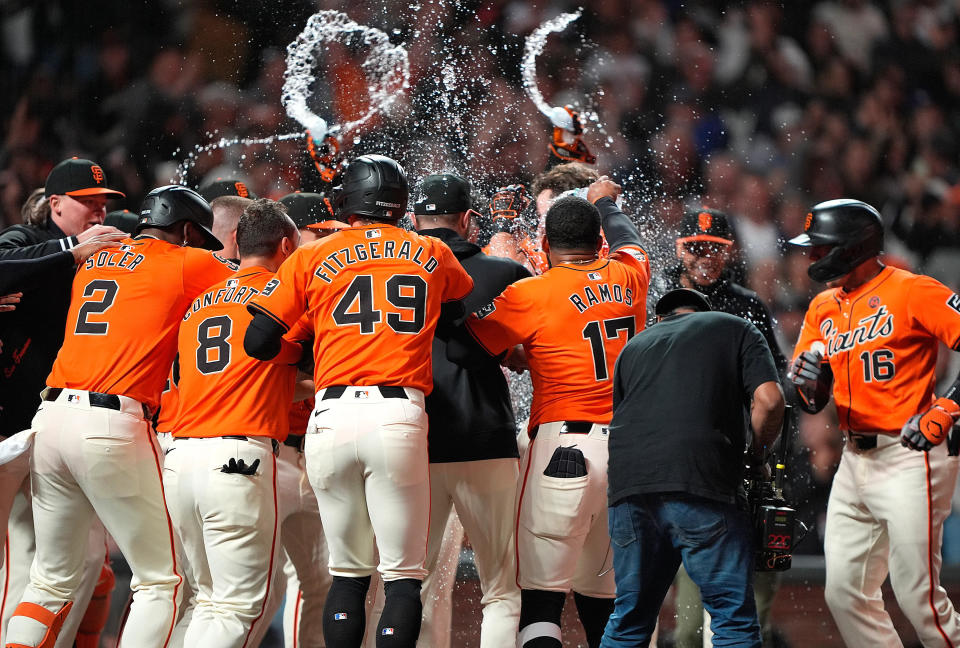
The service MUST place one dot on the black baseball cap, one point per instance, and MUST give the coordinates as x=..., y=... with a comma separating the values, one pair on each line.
x=123, y=219
x=704, y=224
x=221, y=187
x=77, y=177
x=442, y=194
x=306, y=209
x=682, y=297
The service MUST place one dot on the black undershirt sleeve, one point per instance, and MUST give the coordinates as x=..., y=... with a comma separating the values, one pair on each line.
x=262, y=339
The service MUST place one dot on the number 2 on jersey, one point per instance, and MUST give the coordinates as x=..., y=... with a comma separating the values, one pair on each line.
x=407, y=293
x=595, y=331
x=108, y=288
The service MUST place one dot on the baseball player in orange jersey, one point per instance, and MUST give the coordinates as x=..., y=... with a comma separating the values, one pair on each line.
x=373, y=295
x=572, y=321
x=220, y=476
x=94, y=452
x=872, y=340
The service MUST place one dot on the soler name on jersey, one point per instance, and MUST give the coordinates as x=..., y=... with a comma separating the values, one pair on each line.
x=230, y=293
x=601, y=294
x=337, y=261
x=123, y=258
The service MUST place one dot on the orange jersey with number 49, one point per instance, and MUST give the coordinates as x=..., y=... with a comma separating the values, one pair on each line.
x=372, y=296
x=125, y=310
x=573, y=321
x=881, y=343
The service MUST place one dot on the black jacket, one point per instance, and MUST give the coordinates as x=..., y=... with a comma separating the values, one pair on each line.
x=729, y=297
x=469, y=410
x=33, y=333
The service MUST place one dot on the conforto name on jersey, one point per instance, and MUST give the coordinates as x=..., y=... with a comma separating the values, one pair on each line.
x=232, y=292
x=337, y=261
x=604, y=294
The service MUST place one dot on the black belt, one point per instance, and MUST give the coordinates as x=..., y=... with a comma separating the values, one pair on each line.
x=387, y=391
x=863, y=441
x=294, y=441
x=236, y=437
x=107, y=401
x=571, y=427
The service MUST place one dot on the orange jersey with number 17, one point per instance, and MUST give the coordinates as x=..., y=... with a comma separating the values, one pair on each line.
x=881, y=342
x=125, y=310
x=573, y=321
x=372, y=295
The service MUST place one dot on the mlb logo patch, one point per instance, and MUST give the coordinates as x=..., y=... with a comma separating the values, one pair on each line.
x=387, y=631
x=594, y=276
x=126, y=248
x=483, y=311
x=374, y=233
x=604, y=431
x=340, y=616
x=954, y=302
x=361, y=393
x=73, y=398
x=233, y=283
x=431, y=207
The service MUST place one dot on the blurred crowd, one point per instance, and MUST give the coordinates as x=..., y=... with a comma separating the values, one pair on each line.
x=757, y=108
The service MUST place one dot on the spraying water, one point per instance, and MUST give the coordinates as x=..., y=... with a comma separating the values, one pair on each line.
x=387, y=69
x=533, y=48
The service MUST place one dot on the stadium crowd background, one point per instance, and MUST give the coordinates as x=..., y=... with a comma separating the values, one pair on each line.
x=756, y=108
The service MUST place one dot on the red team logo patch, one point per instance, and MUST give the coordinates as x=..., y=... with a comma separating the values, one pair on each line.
x=874, y=302
x=705, y=220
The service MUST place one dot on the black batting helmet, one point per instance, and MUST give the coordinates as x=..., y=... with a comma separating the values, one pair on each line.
x=854, y=230
x=166, y=206
x=374, y=186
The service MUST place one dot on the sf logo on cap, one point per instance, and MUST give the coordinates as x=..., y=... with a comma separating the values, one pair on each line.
x=808, y=221
x=97, y=173
x=242, y=190
x=705, y=220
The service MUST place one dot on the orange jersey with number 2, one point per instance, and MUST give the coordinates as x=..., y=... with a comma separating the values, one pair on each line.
x=125, y=310
x=881, y=343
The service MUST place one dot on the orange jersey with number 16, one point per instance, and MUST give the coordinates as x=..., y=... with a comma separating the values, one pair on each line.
x=125, y=310
x=573, y=321
x=372, y=295
x=881, y=343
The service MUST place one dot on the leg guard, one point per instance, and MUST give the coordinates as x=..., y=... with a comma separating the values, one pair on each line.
x=540, y=619
x=343, y=614
x=399, y=624
x=98, y=610
x=49, y=620
x=594, y=614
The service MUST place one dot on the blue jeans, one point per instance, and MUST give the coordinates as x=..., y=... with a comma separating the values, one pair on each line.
x=651, y=534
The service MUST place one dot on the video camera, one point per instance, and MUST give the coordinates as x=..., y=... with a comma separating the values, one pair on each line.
x=775, y=522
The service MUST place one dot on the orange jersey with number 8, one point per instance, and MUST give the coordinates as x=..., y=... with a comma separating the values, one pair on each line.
x=372, y=295
x=224, y=391
x=881, y=342
x=573, y=321
x=125, y=310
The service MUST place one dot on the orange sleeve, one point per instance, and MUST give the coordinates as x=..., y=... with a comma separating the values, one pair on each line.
x=459, y=284
x=508, y=320
x=635, y=257
x=936, y=309
x=284, y=298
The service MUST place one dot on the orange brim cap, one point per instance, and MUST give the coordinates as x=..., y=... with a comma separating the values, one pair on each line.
x=96, y=191
x=328, y=225
x=705, y=237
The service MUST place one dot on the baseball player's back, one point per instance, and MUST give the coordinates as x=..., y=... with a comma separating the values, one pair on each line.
x=94, y=453
x=373, y=295
x=572, y=321
x=125, y=312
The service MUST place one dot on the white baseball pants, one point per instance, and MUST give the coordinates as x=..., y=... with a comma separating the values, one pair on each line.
x=366, y=458
x=227, y=523
x=96, y=462
x=484, y=496
x=304, y=575
x=562, y=537
x=885, y=515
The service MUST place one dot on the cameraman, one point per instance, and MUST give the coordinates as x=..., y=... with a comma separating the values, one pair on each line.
x=673, y=492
